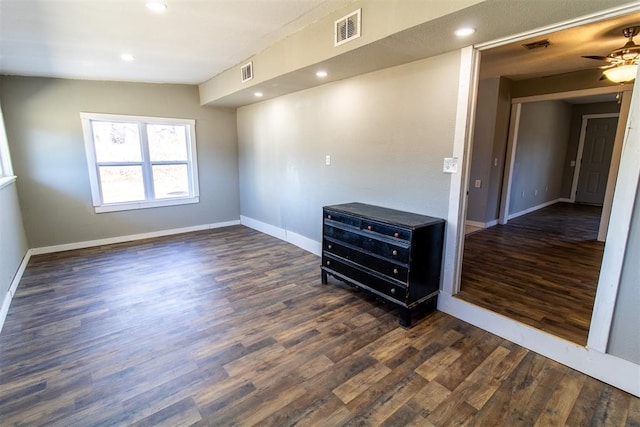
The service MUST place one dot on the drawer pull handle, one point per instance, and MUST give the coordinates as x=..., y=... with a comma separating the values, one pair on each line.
x=394, y=252
x=393, y=290
x=396, y=235
x=328, y=216
x=329, y=246
x=395, y=271
x=328, y=262
x=369, y=227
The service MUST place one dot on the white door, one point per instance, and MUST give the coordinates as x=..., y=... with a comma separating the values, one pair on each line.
x=596, y=159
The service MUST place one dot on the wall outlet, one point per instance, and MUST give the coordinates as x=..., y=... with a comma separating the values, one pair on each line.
x=535, y=193
x=478, y=183
x=573, y=163
x=327, y=160
x=522, y=196
x=495, y=162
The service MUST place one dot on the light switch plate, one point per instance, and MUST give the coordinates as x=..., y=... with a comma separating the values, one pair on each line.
x=450, y=165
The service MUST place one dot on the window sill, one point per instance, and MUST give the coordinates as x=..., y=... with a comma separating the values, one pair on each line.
x=6, y=180
x=145, y=205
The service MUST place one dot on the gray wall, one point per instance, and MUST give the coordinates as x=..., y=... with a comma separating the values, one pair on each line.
x=13, y=240
x=624, y=339
x=577, y=112
x=387, y=133
x=489, y=149
x=45, y=136
x=540, y=154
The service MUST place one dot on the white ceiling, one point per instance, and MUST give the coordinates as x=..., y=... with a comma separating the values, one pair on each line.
x=192, y=41
x=195, y=40
x=564, y=53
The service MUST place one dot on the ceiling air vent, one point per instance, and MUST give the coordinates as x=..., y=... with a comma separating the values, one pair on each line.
x=247, y=72
x=347, y=28
x=538, y=44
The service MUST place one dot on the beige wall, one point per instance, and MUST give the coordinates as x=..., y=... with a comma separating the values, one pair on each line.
x=387, y=133
x=45, y=137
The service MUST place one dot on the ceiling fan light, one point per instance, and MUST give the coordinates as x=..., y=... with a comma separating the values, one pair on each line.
x=621, y=74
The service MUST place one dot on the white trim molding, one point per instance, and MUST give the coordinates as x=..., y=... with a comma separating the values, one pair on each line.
x=624, y=198
x=463, y=135
x=481, y=224
x=129, y=238
x=6, y=180
x=4, y=310
x=296, y=239
x=534, y=208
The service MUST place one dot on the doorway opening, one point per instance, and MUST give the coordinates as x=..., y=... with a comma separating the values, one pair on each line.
x=541, y=183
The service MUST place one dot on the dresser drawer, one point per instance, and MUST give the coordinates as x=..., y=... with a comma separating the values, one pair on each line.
x=363, y=278
x=386, y=229
x=342, y=218
x=396, y=250
x=394, y=271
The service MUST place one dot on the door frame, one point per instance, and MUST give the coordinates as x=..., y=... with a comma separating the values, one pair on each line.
x=592, y=359
x=512, y=143
x=583, y=134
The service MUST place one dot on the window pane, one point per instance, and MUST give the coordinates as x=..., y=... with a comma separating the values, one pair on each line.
x=170, y=181
x=167, y=142
x=116, y=142
x=121, y=184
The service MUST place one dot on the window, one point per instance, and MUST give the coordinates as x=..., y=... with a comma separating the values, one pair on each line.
x=6, y=171
x=140, y=162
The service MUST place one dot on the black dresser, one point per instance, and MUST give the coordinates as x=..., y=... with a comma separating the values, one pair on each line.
x=395, y=255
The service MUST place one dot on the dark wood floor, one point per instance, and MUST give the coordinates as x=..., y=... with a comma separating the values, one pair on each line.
x=232, y=327
x=540, y=269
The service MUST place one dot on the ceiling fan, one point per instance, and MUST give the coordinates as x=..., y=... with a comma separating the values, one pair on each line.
x=624, y=60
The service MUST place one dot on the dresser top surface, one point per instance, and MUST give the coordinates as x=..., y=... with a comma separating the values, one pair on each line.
x=387, y=215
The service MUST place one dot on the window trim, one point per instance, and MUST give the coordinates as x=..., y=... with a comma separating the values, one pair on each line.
x=6, y=168
x=92, y=164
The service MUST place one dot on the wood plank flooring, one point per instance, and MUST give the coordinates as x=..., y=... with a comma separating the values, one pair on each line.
x=232, y=327
x=540, y=269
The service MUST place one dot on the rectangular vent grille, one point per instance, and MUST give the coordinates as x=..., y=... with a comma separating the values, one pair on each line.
x=347, y=28
x=247, y=72
x=538, y=44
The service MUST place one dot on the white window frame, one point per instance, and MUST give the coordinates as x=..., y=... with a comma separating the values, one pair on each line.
x=149, y=202
x=6, y=169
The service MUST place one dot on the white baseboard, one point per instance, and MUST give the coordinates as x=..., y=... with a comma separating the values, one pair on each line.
x=299, y=240
x=4, y=310
x=474, y=223
x=481, y=224
x=129, y=238
x=263, y=227
x=305, y=243
x=565, y=200
x=612, y=370
x=534, y=208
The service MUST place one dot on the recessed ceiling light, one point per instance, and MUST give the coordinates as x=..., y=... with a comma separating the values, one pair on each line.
x=321, y=73
x=257, y=94
x=127, y=57
x=156, y=6
x=465, y=31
